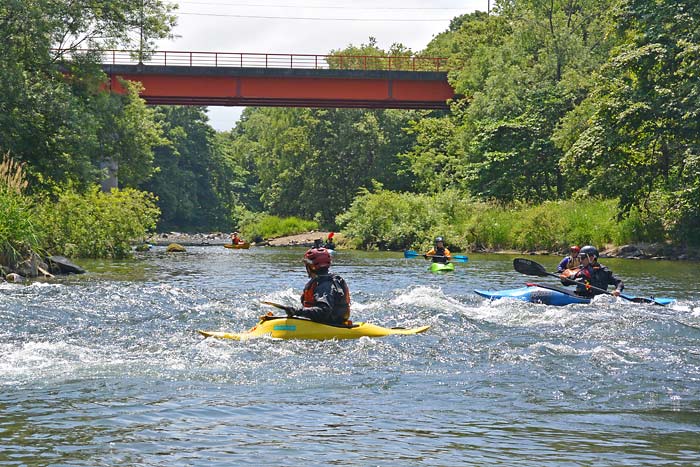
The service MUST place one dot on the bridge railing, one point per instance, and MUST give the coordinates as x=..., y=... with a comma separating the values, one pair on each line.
x=261, y=60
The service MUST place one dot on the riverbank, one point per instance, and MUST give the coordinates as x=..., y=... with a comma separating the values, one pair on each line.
x=658, y=251
x=306, y=239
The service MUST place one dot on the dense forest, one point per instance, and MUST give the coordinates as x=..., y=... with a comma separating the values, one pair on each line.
x=576, y=121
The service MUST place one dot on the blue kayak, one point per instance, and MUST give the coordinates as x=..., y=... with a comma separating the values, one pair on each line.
x=549, y=295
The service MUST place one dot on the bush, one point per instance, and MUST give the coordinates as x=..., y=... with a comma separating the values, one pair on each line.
x=264, y=226
x=18, y=227
x=97, y=224
x=389, y=220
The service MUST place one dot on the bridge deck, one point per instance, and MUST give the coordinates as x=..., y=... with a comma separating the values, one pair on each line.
x=231, y=86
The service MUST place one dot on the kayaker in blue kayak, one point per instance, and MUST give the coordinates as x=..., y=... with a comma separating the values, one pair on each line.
x=571, y=261
x=591, y=272
x=439, y=253
x=326, y=297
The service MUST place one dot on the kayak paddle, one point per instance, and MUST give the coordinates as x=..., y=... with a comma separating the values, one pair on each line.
x=277, y=305
x=455, y=258
x=531, y=268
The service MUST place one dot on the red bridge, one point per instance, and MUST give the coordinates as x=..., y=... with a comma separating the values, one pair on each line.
x=281, y=80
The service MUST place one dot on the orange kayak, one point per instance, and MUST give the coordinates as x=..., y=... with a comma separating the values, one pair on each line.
x=240, y=246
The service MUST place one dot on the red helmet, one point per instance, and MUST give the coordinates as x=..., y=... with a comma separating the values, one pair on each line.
x=575, y=249
x=318, y=258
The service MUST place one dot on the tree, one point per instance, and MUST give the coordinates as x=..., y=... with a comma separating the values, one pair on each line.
x=643, y=141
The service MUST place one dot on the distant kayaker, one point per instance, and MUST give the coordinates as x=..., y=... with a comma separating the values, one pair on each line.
x=236, y=239
x=326, y=297
x=571, y=261
x=439, y=253
x=329, y=245
x=591, y=272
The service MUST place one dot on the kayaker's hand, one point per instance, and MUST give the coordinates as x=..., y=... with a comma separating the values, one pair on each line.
x=616, y=293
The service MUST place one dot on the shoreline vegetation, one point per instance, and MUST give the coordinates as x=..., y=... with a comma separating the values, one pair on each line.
x=553, y=140
x=654, y=251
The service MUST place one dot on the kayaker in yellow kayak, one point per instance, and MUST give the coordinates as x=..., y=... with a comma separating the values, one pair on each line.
x=439, y=253
x=326, y=297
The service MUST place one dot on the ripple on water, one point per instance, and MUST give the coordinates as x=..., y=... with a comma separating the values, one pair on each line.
x=99, y=371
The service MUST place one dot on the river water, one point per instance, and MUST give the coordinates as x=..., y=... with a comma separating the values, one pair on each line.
x=106, y=369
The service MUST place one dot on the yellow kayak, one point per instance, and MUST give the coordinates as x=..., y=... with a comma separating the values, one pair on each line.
x=281, y=327
x=240, y=246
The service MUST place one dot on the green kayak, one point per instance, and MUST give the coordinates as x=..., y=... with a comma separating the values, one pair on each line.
x=442, y=267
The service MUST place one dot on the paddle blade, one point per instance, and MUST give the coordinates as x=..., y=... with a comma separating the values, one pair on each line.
x=459, y=259
x=641, y=300
x=531, y=268
x=411, y=254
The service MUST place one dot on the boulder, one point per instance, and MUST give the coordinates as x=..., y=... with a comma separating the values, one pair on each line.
x=14, y=277
x=175, y=248
x=62, y=265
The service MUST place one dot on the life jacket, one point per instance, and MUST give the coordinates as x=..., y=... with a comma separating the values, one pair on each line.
x=573, y=263
x=342, y=306
x=439, y=255
x=595, y=275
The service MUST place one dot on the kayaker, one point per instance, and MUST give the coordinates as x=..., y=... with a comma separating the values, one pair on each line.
x=571, y=261
x=326, y=297
x=439, y=253
x=591, y=272
x=329, y=245
x=235, y=239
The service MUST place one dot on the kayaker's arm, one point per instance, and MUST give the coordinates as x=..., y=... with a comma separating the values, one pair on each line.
x=324, y=300
x=619, y=285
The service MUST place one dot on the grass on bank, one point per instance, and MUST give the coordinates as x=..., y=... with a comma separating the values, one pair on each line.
x=394, y=221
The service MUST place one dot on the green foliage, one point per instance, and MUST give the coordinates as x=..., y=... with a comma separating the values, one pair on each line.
x=64, y=127
x=643, y=137
x=198, y=178
x=389, y=220
x=264, y=226
x=311, y=162
x=97, y=224
x=18, y=227
x=18, y=230
x=370, y=57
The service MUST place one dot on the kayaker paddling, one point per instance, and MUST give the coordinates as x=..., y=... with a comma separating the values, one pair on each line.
x=326, y=297
x=591, y=273
x=439, y=253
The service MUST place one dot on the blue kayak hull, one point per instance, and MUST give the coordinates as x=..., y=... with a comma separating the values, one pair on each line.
x=556, y=296
x=534, y=294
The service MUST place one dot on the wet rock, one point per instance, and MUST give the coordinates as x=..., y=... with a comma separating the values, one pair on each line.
x=14, y=277
x=62, y=265
x=175, y=248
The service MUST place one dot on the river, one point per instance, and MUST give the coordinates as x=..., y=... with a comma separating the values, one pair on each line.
x=106, y=369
